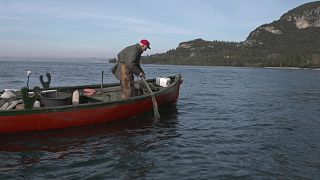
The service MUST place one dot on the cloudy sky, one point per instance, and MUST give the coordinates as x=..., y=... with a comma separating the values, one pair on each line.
x=101, y=28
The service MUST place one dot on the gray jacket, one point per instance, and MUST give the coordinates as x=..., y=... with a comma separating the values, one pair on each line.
x=130, y=56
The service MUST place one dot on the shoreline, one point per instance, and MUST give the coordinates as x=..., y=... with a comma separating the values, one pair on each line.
x=292, y=68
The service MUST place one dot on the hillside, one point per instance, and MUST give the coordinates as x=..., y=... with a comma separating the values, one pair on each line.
x=293, y=40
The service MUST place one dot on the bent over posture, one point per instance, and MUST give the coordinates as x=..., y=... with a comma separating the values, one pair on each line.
x=128, y=65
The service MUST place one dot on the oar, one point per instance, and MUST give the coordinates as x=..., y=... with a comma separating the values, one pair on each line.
x=154, y=102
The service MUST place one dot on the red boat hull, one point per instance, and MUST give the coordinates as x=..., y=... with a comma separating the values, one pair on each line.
x=36, y=120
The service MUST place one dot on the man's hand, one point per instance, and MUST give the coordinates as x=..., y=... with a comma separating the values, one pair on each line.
x=142, y=76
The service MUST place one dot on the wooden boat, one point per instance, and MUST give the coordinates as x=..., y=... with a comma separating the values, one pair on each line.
x=102, y=106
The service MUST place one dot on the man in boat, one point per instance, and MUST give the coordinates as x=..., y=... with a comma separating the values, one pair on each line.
x=128, y=65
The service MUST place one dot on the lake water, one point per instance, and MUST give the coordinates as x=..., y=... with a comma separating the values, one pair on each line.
x=229, y=123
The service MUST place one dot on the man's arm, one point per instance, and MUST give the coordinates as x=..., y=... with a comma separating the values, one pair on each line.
x=141, y=69
x=133, y=62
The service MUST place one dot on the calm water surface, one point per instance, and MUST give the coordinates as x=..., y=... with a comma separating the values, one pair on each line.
x=244, y=123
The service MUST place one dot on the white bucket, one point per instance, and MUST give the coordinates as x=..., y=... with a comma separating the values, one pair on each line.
x=163, y=81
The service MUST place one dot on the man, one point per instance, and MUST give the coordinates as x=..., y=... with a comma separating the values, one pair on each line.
x=128, y=65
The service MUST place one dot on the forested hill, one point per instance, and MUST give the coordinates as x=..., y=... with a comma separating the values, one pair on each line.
x=293, y=40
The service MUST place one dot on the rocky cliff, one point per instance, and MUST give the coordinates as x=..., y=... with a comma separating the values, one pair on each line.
x=294, y=25
x=292, y=40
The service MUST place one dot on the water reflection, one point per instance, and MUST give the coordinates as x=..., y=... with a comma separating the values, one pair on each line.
x=124, y=144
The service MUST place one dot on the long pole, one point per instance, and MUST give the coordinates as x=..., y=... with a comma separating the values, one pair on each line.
x=28, y=83
x=102, y=79
x=154, y=102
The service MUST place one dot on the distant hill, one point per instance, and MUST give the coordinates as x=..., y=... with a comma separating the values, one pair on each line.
x=293, y=41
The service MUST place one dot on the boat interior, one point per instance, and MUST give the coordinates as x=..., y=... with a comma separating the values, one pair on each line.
x=73, y=95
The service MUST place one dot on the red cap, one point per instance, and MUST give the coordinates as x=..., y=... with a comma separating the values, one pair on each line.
x=145, y=42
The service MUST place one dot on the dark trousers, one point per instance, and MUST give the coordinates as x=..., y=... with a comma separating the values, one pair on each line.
x=127, y=82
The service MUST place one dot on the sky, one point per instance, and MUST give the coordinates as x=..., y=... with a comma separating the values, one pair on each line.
x=102, y=28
